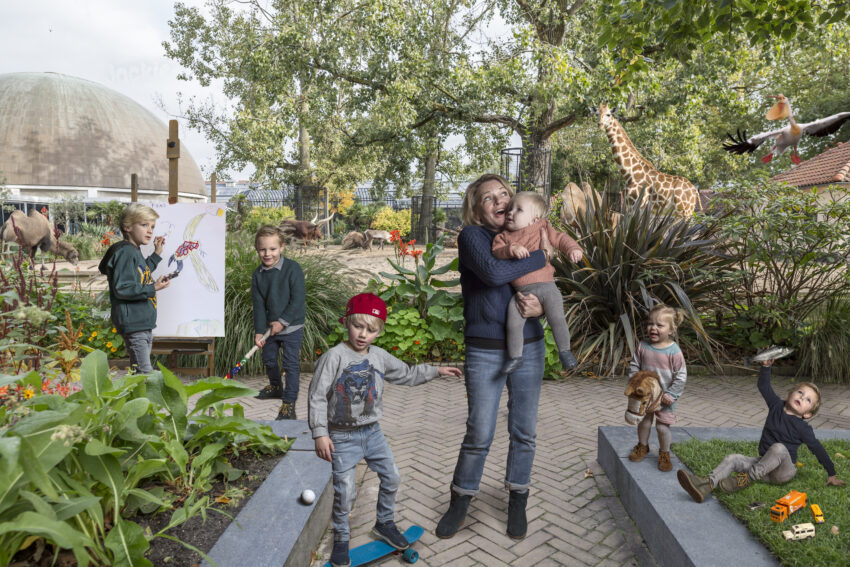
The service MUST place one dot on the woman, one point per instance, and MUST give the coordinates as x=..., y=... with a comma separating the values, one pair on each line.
x=485, y=286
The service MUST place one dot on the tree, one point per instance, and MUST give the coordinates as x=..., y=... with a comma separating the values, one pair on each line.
x=69, y=210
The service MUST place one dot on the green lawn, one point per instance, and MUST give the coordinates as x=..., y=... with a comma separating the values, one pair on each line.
x=824, y=549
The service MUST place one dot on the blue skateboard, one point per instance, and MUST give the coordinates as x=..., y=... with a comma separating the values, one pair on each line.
x=374, y=550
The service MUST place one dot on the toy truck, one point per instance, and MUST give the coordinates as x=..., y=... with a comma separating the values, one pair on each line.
x=787, y=505
x=817, y=515
x=800, y=531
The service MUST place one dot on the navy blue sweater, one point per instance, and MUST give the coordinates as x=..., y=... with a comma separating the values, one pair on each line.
x=485, y=285
x=788, y=429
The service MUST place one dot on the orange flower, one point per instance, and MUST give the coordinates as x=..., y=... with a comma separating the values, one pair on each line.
x=4, y=391
x=416, y=342
x=318, y=351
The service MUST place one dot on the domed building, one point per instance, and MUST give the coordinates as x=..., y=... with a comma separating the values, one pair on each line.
x=61, y=136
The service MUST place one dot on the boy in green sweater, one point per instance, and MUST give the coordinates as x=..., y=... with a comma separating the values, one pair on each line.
x=132, y=291
x=278, y=295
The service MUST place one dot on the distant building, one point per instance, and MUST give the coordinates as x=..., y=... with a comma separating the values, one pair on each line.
x=828, y=169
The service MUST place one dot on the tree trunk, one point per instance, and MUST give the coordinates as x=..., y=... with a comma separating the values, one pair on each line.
x=428, y=194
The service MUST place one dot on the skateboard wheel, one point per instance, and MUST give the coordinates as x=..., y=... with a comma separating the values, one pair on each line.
x=411, y=555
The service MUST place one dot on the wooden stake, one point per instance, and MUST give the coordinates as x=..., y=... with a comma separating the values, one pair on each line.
x=172, y=152
x=212, y=187
x=134, y=187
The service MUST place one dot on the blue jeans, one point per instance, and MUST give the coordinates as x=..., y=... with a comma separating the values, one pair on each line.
x=350, y=446
x=291, y=346
x=484, y=385
x=138, y=347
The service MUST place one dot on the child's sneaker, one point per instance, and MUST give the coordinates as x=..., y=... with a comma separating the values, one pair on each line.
x=270, y=393
x=664, y=463
x=735, y=483
x=568, y=359
x=287, y=411
x=639, y=452
x=390, y=534
x=339, y=555
x=512, y=364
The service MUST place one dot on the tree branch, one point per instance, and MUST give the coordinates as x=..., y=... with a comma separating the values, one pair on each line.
x=558, y=124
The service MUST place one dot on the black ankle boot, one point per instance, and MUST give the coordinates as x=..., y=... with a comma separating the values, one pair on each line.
x=452, y=520
x=517, y=524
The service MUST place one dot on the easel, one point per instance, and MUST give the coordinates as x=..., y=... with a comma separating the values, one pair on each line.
x=174, y=346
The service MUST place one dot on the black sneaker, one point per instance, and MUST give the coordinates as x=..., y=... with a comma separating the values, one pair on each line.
x=390, y=534
x=287, y=411
x=270, y=393
x=339, y=555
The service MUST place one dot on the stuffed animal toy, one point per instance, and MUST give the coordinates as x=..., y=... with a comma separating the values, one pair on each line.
x=644, y=391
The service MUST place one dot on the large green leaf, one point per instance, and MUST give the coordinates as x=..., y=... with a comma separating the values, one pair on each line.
x=126, y=540
x=171, y=400
x=61, y=533
x=94, y=374
x=107, y=470
x=226, y=392
x=96, y=447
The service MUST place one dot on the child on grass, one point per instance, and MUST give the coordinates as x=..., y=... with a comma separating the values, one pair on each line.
x=524, y=220
x=663, y=356
x=785, y=428
x=279, y=298
x=344, y=408
x=132, y=291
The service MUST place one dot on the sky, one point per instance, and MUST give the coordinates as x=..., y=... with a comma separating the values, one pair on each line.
x=117, y=43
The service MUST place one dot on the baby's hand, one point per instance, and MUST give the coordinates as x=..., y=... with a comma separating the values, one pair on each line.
x=519, y=251
x=576, y=256
x=667, y=399
x=834, y=481
x=450, y=371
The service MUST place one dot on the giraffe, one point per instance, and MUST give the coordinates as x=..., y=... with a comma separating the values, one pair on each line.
x=661, y=189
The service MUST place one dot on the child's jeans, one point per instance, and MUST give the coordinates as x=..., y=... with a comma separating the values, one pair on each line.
x=291, y=346
x=350, y=446
x=138, y=347
x=775, y=466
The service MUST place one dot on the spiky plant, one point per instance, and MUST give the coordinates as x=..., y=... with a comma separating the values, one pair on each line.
x=328, y=290
x=823, y=350
x=632, y=261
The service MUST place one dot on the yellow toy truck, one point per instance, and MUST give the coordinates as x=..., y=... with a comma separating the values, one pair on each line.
x=787, y=505
x=817, y=515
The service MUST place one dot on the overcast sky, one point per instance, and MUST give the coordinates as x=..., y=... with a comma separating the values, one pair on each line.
x=117, y=43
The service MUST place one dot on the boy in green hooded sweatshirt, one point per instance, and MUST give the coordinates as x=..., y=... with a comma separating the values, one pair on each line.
x=132, y=290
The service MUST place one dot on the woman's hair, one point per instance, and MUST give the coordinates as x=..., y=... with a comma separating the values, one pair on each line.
x=537, y=200
x=135, y=213
x=374, y=324
x=470, y=199
x=269, y=230
x=815, y=404
x=676, y=315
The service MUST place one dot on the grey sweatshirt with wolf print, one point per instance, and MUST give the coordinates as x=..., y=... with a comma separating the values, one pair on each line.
x=348, y=387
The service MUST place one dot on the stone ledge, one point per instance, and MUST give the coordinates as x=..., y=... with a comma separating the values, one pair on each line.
x=275, y=528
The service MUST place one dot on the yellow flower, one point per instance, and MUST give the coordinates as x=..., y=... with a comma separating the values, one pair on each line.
x=94, y=333
x=28, y=393
x=109, y=344
x=114, y=330
x=113, y=349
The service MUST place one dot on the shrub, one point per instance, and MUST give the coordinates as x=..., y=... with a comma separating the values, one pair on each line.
x=88, y=247
x=789, y=248
x=647, y=258
x=359, y=216
x=92, y=314
x=328, y=290
x=259, y=216
x=826, y=342
x=389, y=220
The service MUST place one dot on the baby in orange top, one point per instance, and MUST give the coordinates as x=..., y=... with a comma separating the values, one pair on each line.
x=524, y=222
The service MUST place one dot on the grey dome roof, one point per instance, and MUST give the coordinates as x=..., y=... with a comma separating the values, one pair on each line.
x=58, y=130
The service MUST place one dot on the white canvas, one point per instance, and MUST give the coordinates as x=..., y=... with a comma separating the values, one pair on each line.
x=193, y=305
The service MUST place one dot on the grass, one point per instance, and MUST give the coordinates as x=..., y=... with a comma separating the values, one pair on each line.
x=824, y=549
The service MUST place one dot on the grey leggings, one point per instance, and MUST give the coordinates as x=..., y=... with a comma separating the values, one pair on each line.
x=138, y=347
x=775, y=466
x=553, y=308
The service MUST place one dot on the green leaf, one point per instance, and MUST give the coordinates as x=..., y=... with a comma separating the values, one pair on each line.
x=96, y=447
x=169, y=399
x=128, y=544
x=58, y=532
x=106, y=470
x=94, y=374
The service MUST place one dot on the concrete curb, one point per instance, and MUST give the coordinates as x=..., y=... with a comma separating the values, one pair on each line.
x=275, y=528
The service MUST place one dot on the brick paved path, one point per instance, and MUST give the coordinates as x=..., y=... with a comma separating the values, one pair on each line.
x=573, y=520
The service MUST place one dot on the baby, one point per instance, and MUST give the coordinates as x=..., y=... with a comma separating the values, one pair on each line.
x=525, y=219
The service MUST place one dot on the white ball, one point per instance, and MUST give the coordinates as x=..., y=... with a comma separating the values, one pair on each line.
x=308, y=496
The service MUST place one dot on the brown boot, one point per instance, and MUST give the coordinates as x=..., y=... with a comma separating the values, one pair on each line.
x=664, y=463
x=735, y=483
x=699, y=487
x=639, y=452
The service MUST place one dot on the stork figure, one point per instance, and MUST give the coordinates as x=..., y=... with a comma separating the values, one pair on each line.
x=787, y=137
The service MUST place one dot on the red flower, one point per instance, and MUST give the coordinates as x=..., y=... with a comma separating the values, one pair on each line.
x=395, y=347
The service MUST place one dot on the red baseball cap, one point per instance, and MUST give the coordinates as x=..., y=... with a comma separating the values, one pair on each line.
x=367, y=304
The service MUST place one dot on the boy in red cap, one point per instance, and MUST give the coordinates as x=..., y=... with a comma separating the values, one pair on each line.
x=344, y=409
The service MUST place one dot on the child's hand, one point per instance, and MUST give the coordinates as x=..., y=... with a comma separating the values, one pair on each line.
x=667, y=399
x=158, y=243
x=324, y=447
x=834, y=481
x=259, y=340
x=519, y=251
x=276, y=327
x=768, y=362
x=450, y=371
x=575, y=256
x=161, y=283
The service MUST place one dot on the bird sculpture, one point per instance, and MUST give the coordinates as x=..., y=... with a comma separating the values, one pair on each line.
x=786, y=137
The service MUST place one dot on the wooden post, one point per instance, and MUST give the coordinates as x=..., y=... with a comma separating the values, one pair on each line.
x=134, y=187
x=172, y=152
x=212, y=187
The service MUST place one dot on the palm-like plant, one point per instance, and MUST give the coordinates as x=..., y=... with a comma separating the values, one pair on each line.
x=632, y=261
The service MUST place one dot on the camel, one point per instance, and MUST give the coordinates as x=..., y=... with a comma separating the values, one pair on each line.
x=354, y=240
x=32, y=232
x=575, y=200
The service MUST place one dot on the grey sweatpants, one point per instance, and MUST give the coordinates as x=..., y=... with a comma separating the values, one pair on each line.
x=775, y=466
x=553, y=308
x=138, y=347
